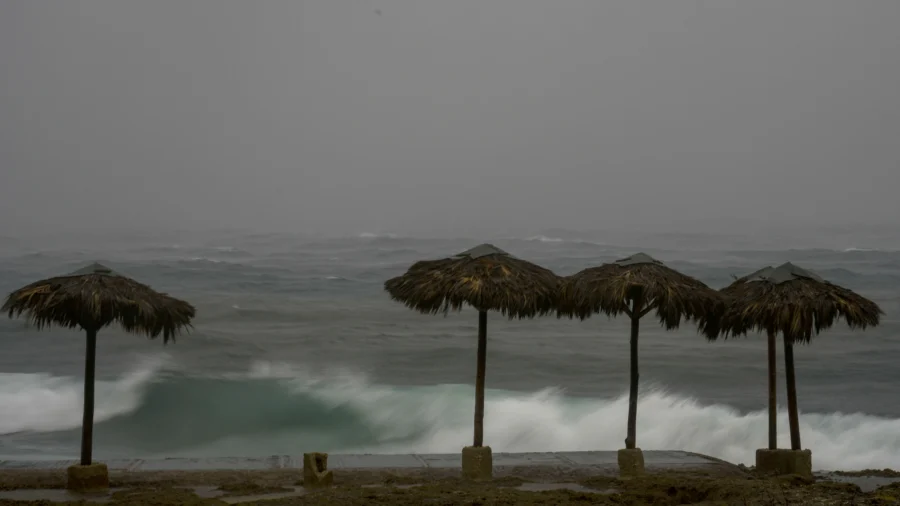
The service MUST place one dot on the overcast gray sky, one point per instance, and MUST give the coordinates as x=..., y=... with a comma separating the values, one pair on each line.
x=437, y=116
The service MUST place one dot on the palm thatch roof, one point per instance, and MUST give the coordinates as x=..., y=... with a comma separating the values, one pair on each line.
x=95, y=297
x=790, y=300
x=711, y=325
x=610, y=288
x=485, y=277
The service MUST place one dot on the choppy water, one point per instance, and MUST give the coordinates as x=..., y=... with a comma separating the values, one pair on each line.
x=297, y=347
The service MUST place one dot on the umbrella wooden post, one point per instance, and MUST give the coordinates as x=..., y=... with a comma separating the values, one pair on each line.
x=793, y=415
x=636, y=308
x=479, y=379
x=88, y=476
x=478, y=460
x=772, y=460
x=631, y=458
x=87, y=422
x=773, y=404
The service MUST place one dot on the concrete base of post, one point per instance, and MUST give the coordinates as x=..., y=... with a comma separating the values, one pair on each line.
x=315, y=470
x=477, y=463
x=631, y=462
x=92, y=478
x=782, y=462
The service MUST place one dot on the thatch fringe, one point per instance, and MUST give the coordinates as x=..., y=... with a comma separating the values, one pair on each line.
x=610, y=288
x=798, y=308
x=98, y=299
x=490, y=281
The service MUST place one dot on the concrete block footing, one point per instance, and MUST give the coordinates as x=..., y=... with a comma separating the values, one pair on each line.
x=631, y=462
x=91, y=478
x=315, y=470
x=782, y=462
x=477, y=463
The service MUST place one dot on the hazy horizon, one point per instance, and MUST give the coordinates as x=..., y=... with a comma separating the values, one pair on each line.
x=469, y=118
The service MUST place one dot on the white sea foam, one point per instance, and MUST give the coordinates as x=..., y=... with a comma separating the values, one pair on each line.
x=373, y=235
x=43, y=403
x=439, y=418
x=542, y=238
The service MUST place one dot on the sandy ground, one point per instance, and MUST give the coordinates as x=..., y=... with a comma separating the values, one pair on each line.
x=512, y=486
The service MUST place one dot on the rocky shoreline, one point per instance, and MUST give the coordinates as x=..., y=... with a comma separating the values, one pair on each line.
x=528, y=485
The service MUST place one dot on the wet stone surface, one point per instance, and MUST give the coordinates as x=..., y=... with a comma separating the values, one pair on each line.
x=574, y=487
x=56, y=495
x=663, y=459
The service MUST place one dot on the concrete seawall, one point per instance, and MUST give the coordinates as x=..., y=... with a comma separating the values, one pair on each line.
x=599, y=460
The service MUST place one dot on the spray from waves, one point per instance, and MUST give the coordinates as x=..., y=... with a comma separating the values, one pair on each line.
x=42, y=403
x=543, y=238
x=373, y=235
x=277, y=409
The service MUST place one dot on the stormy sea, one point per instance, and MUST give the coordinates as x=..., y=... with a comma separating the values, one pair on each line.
x=296, y=346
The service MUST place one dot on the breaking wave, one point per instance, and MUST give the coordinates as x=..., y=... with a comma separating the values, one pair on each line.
x=276, y=409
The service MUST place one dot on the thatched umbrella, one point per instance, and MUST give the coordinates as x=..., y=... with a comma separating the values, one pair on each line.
x=486, y=278
x=797, y=303
x=93, y=298
x=635, y=286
